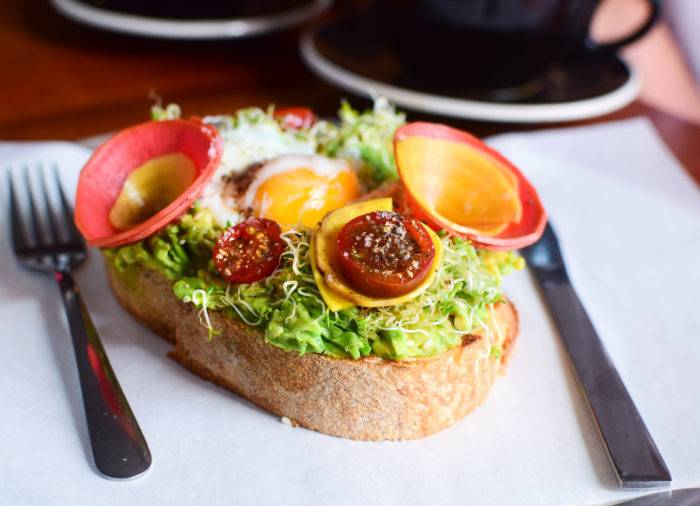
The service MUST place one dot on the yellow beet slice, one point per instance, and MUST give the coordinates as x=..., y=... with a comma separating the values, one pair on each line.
x=332, y=300
x=325, y=260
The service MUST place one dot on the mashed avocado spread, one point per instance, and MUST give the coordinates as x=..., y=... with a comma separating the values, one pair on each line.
x=287, y=306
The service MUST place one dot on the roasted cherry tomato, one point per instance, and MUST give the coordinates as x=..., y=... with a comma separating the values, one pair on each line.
x=295, y=117
x=249, y=251
x=385, y=254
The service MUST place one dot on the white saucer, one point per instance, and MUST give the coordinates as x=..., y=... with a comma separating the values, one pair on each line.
x=331, y=53
x=201, y=29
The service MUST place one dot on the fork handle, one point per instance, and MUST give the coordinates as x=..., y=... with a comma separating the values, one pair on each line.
x=119, y=449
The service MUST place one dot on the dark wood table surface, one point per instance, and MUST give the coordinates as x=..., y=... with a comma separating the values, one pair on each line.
x=61, y=80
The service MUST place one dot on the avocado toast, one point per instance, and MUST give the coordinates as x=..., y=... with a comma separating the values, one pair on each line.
x=288, y=330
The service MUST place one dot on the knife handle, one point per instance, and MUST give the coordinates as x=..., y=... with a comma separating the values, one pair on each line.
x=631, y=448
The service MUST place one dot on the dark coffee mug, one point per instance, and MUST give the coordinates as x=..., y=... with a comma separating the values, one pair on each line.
x=492, y=44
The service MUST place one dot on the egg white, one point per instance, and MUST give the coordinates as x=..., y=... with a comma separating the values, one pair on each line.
x=244, y=145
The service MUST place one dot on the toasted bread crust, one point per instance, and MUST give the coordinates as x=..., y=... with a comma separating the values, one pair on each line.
x=148, y=296
x=367, y=399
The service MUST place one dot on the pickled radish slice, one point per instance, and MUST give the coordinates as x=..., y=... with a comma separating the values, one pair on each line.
x=107, y=208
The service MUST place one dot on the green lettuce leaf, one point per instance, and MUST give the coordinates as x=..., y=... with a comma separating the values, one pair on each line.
x=179, y=250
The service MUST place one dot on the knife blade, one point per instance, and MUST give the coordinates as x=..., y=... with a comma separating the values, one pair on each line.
x=632, y=451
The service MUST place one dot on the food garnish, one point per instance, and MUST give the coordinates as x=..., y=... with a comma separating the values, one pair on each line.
x=384, y=254
x=454, y=182
x=327, y=267
x=144, y=178
x=296, y=118
x=150, y=188
x=249, y=251
x=300, y=189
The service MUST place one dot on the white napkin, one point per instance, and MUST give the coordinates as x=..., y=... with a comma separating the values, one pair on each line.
x=629, y=222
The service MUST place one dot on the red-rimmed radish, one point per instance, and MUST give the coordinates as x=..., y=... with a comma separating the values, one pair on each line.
x=185, y=145
x=455, y=182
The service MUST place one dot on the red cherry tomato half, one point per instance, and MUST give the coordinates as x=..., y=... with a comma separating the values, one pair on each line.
x=385, y=254
x=249, y=251
x=296, y=118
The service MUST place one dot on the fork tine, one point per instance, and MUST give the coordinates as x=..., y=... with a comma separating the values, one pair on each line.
x=53, y=232
x=36, y=234
x=71, y=229
x=19, y=238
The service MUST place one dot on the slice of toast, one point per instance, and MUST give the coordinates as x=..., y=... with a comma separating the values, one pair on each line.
x=367, y=399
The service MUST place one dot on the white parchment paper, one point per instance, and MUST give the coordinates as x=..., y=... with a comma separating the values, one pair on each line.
x=628, y=218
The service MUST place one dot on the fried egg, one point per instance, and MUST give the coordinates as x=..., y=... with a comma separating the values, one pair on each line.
x=246, y=143
x=300, y=189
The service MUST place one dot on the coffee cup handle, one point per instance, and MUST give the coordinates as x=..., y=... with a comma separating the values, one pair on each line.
x=641, y=31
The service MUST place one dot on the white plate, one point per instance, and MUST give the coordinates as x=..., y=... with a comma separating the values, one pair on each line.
x=432, y=103
x=186, y=29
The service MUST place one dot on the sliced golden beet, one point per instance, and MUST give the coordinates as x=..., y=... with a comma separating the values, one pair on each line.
x=459, y=183
x=328, y=274
x=333, y=301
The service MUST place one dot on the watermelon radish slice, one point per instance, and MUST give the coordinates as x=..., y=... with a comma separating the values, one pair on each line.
x=455, y=182
x=104, y=176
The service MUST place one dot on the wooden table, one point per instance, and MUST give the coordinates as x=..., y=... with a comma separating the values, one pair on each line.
x=64, y=81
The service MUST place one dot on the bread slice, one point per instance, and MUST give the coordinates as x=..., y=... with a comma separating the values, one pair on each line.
x=366, y=399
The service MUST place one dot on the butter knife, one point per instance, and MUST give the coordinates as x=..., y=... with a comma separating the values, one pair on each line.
x=629, y=445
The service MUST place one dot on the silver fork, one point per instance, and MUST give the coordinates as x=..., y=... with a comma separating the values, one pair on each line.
x=51, y=243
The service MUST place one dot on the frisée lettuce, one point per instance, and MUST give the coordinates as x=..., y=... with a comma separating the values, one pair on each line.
x=363, y=136
x=289, y=309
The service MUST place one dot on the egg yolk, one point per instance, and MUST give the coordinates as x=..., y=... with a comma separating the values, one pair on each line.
x=301, y=196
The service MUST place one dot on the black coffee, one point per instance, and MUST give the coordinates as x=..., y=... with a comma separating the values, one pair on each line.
x=487, y=43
